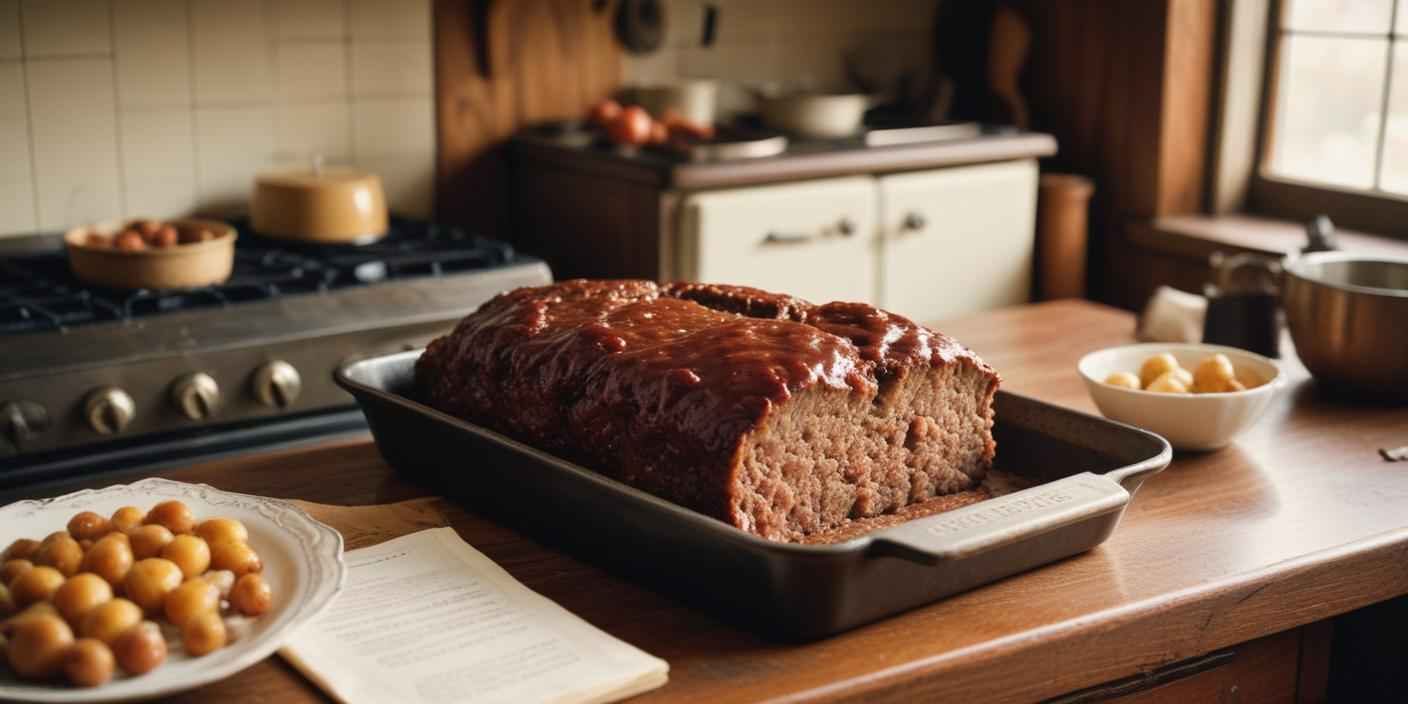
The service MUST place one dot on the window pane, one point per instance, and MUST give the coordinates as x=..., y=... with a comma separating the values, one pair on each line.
x=1394, y=176
x=1371, y=16
x=1328, y=96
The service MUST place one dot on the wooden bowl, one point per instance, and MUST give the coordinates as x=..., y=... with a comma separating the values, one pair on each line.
x=321, y=205
x=181, y=266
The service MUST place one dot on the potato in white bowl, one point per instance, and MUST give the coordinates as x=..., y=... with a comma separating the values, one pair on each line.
x=1189, y=421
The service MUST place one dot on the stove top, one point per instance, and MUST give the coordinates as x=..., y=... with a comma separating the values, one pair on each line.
x=39, y=293
x=93, y=378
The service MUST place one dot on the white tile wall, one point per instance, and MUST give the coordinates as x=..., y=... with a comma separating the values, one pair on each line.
x=17, y=212
x=73, y=126
x=383, y=127
x=159, y=162
x=152, y=46
x=10, y=47
x=383, y=19
x=66, y=28
x=116, y=108
x=303, y=131
x=232, y=145
x=230, y=52
x=311, y=71
x=391, y=69
x=310, y=19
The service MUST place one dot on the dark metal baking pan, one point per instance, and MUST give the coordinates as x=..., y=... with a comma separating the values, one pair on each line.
x=1084, y=471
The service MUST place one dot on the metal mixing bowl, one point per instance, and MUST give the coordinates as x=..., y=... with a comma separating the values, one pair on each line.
x=1348, y=316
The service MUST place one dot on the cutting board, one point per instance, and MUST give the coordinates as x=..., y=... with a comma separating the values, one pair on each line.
x=542, y=60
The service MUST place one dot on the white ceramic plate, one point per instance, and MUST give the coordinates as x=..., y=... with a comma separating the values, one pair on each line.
x=302, y=563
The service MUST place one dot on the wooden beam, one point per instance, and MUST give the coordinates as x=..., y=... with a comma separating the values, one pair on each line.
x=1190, y=47
x=546, y=60
x=1126, y=89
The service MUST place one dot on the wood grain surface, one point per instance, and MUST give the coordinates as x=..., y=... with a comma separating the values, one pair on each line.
x=500, y=66
x=1125, y=88
x=1297, y=522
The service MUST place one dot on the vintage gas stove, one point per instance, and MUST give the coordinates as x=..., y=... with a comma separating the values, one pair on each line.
x=93, y=379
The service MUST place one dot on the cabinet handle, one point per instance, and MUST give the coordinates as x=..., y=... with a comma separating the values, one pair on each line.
x=844, y=227
x=1130, y=686
x=787, y=238
x=913, y=222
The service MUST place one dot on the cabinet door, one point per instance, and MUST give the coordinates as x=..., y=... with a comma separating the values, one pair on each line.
x=957, y=241
x=813, y=239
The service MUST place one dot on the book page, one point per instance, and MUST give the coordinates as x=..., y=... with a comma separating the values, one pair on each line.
x=427, y=618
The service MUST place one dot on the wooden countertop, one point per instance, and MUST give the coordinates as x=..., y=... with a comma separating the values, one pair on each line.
x=802, y=160
x=1299, y=521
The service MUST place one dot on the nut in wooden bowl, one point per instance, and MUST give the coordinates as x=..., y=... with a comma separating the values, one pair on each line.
x=145, y=253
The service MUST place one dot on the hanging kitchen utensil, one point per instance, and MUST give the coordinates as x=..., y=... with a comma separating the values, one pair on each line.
x=710, y=25
x=640, y=25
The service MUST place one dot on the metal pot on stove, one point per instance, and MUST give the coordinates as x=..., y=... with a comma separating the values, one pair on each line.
x=1347, y=313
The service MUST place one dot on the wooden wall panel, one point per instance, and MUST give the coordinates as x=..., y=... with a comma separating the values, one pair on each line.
x=546, y=60
x=1125, y=87
x=1186, y=109
x=587, y=226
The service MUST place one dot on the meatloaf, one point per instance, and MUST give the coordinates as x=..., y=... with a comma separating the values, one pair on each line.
x=775, y=415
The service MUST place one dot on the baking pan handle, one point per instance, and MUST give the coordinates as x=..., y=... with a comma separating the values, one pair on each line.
x=991, y=524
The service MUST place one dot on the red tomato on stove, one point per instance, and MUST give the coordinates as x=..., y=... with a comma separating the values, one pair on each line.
x=605, y=112
x=632, y=126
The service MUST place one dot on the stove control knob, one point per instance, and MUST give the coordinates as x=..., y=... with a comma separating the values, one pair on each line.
x=196, y=395
x=109, y=410
x=22, y=420
x=277, y=384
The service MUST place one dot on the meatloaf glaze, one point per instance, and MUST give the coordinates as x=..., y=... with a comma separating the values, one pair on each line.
x=775, y=415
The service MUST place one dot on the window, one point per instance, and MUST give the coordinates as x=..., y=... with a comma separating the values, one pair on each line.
x=1335, y=115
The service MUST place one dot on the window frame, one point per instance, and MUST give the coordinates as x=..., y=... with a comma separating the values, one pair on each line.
x=1278, y=196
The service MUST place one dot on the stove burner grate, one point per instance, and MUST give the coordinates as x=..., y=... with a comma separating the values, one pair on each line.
x=38, y=292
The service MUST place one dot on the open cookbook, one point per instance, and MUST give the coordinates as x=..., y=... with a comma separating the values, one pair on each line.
x=427, y=618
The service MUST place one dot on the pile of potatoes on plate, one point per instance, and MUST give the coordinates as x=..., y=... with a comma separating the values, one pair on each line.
x=85, y=601
x=1161, y=373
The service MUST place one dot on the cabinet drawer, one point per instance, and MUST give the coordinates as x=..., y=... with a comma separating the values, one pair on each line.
x=813, y=239
x=959, y=240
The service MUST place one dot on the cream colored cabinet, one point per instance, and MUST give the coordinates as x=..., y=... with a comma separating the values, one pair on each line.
x=958, y=240
x=928, y=245
x=812, y=239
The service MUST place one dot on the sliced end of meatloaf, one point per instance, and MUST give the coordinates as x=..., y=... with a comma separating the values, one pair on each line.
x=830, y=456
x=780, y=417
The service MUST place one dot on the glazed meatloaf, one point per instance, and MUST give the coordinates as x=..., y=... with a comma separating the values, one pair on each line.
x=775, y=415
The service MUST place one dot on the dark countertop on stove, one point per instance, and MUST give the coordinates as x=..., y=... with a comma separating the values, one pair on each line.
x=802, y=160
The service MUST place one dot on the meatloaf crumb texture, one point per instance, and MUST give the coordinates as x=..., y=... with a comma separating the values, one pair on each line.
x=783, y=418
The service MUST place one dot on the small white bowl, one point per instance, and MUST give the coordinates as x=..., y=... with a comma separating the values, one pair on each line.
x=1187, y=421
